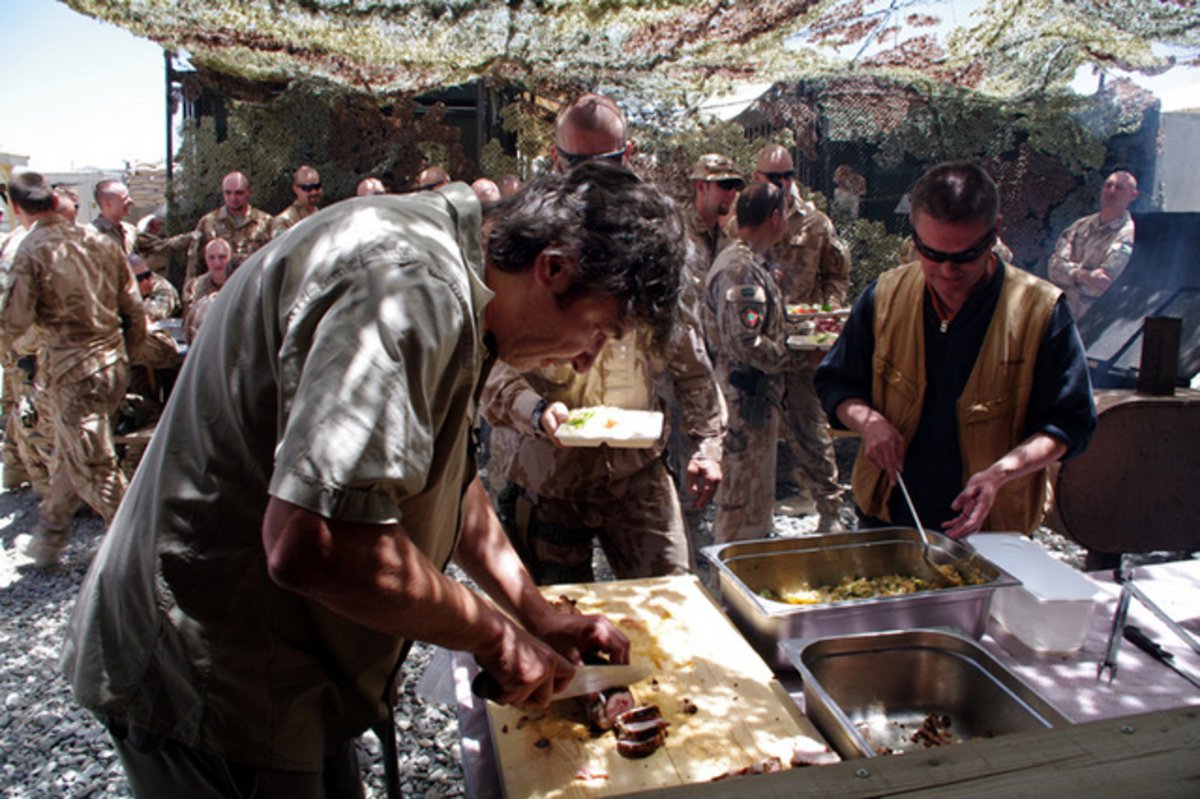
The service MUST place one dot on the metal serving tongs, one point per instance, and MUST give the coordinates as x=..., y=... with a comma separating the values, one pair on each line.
x=1123, y=575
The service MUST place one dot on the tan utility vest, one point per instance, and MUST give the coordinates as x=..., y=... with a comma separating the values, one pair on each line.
x=991, y=410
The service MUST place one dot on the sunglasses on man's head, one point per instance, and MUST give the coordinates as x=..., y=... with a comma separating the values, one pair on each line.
x=308, y=186
x=729, y=184
x=779, y=177
x=962, y=256
x=573, y=160
x=142, y=276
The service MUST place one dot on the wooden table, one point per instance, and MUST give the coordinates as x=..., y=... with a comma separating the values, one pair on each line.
x=1139, y=736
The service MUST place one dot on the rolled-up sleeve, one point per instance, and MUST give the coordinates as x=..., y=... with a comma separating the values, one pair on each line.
x=362, y=368
x=1062, y=402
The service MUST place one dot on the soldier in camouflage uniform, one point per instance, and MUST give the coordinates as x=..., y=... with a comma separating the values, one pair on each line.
x=813, y=266
x=18, y=363
x=1091, y=254
x=744, y=318
x=244, y=227
x=112, y=198
x=216, y=258
x=715, y=184
x=159, y=297
x=306, y=185
x=75, y=285
x=560, y=500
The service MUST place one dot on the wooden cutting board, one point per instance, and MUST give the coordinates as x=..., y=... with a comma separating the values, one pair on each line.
x=742, y=714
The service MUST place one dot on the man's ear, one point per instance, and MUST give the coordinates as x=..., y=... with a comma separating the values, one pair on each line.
x=554, y=269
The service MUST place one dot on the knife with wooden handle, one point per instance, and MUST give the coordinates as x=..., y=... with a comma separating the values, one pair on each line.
x=1138, y=638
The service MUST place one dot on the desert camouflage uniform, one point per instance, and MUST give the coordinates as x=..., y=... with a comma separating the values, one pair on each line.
x=1090, y=245
x=198, y=289
x=288, y=217
x=163, y=300
x=74, y=284
x=744, y=319
x=125, y=236
x=562, y=498
x=245, y=235
x=21, y=461
x=706, y=244
x=812, y=266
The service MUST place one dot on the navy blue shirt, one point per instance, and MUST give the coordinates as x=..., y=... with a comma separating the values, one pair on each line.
x=1060, y=403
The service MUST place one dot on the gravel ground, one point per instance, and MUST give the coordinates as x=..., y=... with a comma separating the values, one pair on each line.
x=52, y=748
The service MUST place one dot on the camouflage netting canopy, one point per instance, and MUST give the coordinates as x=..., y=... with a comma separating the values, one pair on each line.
x=1005, y=47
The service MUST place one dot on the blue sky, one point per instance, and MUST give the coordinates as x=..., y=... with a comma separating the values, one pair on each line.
x=99, y=101
x=76, y=92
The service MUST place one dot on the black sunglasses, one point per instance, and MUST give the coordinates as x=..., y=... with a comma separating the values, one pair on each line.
x=573, y=160
x=142, y=276
x=962, y=256
x=729, y=184
x=779, y=177
x=308, y=186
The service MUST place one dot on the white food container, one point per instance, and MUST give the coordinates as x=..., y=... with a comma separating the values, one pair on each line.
x=616, y=427
x=1051, y=611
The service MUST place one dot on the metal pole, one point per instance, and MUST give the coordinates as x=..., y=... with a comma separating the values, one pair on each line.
x=170, y=143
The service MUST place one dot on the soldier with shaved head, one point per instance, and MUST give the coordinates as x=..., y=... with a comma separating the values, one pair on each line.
x=245, y=228
x=306, y=185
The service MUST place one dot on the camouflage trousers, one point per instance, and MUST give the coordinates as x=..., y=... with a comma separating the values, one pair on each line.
x=637, y=522
x=84, y=461
x=805, y=432
x=746, y=497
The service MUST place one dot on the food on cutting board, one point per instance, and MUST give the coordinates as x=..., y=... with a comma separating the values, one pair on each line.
x=640, y=731
x=855, y=587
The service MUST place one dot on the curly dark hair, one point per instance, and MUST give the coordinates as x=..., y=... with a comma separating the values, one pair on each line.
x=956, y=191
x=627, y=236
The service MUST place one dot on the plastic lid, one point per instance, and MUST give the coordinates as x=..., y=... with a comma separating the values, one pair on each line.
x=1039, y=572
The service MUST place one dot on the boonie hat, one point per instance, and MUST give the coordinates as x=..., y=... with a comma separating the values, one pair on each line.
x=714, y=166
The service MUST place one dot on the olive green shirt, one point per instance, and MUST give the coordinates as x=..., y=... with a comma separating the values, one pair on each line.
x=349, y=354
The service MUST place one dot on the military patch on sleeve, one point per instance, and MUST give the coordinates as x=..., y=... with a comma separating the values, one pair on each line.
x=751, y=318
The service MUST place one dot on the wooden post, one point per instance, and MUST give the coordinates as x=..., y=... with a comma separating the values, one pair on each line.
x=1160, y=356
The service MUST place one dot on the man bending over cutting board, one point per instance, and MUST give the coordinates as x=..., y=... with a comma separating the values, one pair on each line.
x=286, y=534
x=962, y=372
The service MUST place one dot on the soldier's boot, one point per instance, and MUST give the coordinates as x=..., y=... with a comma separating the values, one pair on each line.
x=45, y=545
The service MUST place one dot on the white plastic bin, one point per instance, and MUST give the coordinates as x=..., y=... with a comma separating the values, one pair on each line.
x=1051, y=611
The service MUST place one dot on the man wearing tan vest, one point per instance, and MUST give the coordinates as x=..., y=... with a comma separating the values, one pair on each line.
x=959, y=370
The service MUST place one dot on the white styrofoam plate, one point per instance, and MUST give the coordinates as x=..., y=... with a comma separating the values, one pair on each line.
x=820, y=341
x=616, y=427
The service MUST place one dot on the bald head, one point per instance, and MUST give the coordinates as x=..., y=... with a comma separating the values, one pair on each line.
x=486, y=190
x=508, y=184
x=1119, y=191
x=216, y=257
x=433, y=177
x=306, y=185
x=235, y=188
x=774, y=165
x=370, y=186
x=589, y=128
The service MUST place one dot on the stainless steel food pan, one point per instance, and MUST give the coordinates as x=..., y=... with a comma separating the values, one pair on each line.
x=785, y=564
x=875, y=690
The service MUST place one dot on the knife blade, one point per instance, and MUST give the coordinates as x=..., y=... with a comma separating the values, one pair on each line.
x=1138, y=638
x=586, y=680
x=590, y=679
